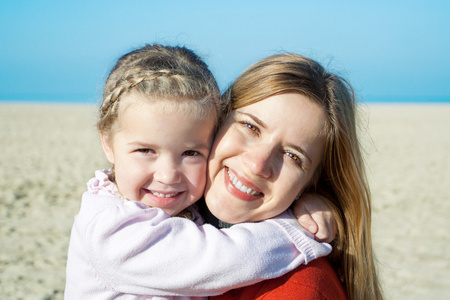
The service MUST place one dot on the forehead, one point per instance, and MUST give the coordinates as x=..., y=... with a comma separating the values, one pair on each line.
x=197, y=108
x=157, y=123
x=293, y=110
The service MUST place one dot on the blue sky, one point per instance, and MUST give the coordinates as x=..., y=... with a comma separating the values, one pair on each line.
x=385, y=48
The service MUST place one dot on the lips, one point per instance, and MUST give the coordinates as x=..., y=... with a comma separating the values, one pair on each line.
x=162, y=195
x=237, y=184
x=240, y=190
x=161, y=199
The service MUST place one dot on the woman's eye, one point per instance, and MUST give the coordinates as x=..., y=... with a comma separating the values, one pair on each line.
x=250, y=126
x=190, y=153
x=294, y=157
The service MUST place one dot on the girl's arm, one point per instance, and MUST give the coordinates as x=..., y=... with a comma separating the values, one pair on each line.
x=142, y=250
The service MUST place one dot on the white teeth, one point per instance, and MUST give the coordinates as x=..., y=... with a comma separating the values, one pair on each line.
x=163, y=195
x=240, y=186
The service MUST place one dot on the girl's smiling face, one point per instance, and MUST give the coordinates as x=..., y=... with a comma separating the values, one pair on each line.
x=264, y=155
x=160, y=153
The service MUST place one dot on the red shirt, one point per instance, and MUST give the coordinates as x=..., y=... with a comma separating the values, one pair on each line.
x=317, y=281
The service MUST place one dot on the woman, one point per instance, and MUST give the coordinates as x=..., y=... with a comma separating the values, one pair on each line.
x=291, y=129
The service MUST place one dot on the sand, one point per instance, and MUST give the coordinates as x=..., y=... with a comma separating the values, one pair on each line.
x=49, y=151
x=409, y=172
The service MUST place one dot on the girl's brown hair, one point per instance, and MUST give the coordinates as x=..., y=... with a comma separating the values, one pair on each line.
x=165, y=72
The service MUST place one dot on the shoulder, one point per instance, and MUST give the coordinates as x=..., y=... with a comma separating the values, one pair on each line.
x=317, y=280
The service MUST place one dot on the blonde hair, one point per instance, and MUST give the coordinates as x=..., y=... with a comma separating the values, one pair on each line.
x=164, y=72
x=340, y=177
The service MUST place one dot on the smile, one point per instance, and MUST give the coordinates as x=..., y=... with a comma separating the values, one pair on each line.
x=237, y=184
x=164, y=195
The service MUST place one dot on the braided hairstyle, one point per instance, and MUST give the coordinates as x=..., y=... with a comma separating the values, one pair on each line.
x=174, y=74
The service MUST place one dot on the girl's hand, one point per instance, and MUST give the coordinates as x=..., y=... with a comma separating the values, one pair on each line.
x=315, y=215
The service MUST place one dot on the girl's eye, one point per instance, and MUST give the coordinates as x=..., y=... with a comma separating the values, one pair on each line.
x=191, y=153
x=145, y=151
x=294, y=157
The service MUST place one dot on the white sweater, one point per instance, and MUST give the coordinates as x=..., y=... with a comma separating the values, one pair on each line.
x=123, y=249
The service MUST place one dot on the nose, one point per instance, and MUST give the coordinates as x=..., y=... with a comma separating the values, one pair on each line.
x=166, y=171
x=260, y=160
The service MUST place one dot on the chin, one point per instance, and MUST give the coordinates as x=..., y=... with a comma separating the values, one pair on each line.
x=218, y=212
x=230, y=217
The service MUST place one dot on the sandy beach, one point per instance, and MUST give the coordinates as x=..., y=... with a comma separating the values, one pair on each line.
x=48, y=152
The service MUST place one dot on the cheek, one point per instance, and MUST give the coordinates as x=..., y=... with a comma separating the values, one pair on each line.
x=130, y=174
x=223, y=137
x=196, y=176
x=126, y=187
x=288, y=186
x=214, y=158
x=229, y=143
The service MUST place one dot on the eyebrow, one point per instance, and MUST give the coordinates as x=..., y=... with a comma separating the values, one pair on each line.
x=140, y=144
x=262, y=124
x=200, y=145
x=254, y=118
x=194, y=145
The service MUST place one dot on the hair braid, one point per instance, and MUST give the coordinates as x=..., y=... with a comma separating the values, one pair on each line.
x=124, y=85
x=172, y=73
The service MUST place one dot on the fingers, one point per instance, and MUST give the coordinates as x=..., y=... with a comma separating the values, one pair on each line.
x=303, y=216
x=326, y=226
x=313, y=214
x=307, y=222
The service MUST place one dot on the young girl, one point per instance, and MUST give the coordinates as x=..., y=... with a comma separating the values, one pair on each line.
x=160, y=109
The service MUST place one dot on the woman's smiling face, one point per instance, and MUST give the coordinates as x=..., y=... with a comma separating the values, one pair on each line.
x=264, y=155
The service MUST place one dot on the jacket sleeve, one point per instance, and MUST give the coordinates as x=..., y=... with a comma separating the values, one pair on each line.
x=143, y=250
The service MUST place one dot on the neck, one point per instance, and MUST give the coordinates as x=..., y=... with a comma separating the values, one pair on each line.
x=209, y=217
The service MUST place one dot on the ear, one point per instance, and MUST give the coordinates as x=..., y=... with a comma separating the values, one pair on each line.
x=107, y=149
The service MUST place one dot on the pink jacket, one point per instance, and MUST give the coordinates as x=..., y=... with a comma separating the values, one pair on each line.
x=124, y=249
